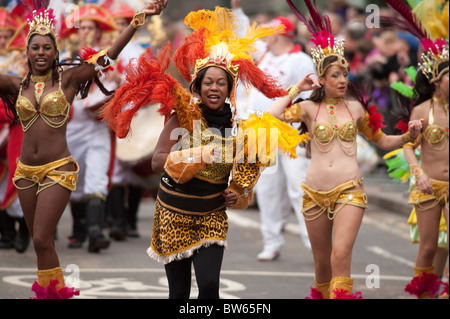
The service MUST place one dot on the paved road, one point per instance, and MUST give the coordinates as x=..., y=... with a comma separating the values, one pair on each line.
x=382, y=262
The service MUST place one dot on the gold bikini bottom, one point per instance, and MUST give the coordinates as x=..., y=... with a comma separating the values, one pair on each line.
x=439, y=195
x=345, y=194
x=37, y=175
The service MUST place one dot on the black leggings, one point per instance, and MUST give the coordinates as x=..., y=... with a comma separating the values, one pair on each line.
x=207, y=264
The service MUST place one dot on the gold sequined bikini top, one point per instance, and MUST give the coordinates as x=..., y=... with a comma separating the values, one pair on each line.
x=52, y=105
x=326, y=132
x=435, y=134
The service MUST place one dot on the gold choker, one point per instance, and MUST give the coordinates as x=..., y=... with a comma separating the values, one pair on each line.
x=332, y=101
x=440, y=101
x=41, y=78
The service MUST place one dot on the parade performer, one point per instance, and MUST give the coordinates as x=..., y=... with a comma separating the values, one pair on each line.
x=428, y=21
x=334, y=199
x=46, y=172
x=190, y=222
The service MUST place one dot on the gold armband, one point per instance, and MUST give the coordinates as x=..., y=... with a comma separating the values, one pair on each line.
x=407, y=138
x=409, y=145
x=293, y=92
x=377, y=135
x=138, y=20
x=293, y=114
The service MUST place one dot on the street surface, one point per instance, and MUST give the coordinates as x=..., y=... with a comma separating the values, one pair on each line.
x=382, y=262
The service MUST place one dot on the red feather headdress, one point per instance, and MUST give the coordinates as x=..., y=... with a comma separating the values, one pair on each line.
x=214, y=42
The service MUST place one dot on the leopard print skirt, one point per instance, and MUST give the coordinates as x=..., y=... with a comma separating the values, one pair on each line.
x=176, y=236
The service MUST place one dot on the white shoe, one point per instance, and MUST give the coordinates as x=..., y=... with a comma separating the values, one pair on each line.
x=268, y=255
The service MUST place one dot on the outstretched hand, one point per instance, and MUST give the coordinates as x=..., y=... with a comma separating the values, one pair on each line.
x=155, y=8
x=308, y=83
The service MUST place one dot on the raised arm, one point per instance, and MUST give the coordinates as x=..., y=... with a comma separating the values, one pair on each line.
x=278, y=108
x=88, y=71
x=9, y=84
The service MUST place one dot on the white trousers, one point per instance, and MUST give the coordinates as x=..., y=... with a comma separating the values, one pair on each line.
x=90, y=144
x=278, y=192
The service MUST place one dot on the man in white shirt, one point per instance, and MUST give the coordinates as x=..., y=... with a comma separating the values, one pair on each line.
x=279, y=188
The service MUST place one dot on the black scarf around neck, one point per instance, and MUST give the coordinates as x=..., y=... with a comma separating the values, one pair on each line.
x=217, y=119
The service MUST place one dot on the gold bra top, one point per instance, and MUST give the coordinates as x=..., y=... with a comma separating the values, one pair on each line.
x=52, y=105
x=326, y=132
x=434, y=133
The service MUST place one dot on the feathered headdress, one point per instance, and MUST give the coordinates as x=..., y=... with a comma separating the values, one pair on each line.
x=41, y=20
x=215, y=42
x=428, y=21
x=326, y=44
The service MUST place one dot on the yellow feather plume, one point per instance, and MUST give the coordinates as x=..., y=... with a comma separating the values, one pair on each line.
x=262, y=135
x=434, y=15
x=222, y=26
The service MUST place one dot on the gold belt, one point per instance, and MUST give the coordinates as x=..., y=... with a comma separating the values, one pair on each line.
x=439, y=195
x=37, y=175
x=327, y=201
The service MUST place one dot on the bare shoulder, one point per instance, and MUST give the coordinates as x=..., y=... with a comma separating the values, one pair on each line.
x=308, y=107
x=356, y=108
x=420, y=110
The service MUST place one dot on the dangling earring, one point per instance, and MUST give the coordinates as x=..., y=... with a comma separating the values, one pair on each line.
x=322, y=93
x=195, y=101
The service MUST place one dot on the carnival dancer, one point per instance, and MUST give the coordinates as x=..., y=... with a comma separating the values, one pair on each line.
x=46, y=173
x=334, y=199
x=431, y=192
x=190, y=223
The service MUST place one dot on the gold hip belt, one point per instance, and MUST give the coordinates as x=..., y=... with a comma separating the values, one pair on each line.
x=37, y=175
x=439, y=195
x=344, y=194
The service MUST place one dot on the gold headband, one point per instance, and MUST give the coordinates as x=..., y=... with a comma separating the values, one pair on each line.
x=220, y=57
x=319, y=54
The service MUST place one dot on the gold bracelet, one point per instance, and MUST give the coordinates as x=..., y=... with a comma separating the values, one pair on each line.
x=138, y=20
x=293, y=92
x=407, y=138
x=415, y=170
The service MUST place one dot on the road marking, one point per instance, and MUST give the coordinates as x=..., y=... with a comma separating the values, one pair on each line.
x=238, y=219
x=388, y=255
x=392, y=227
x=224, y=272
